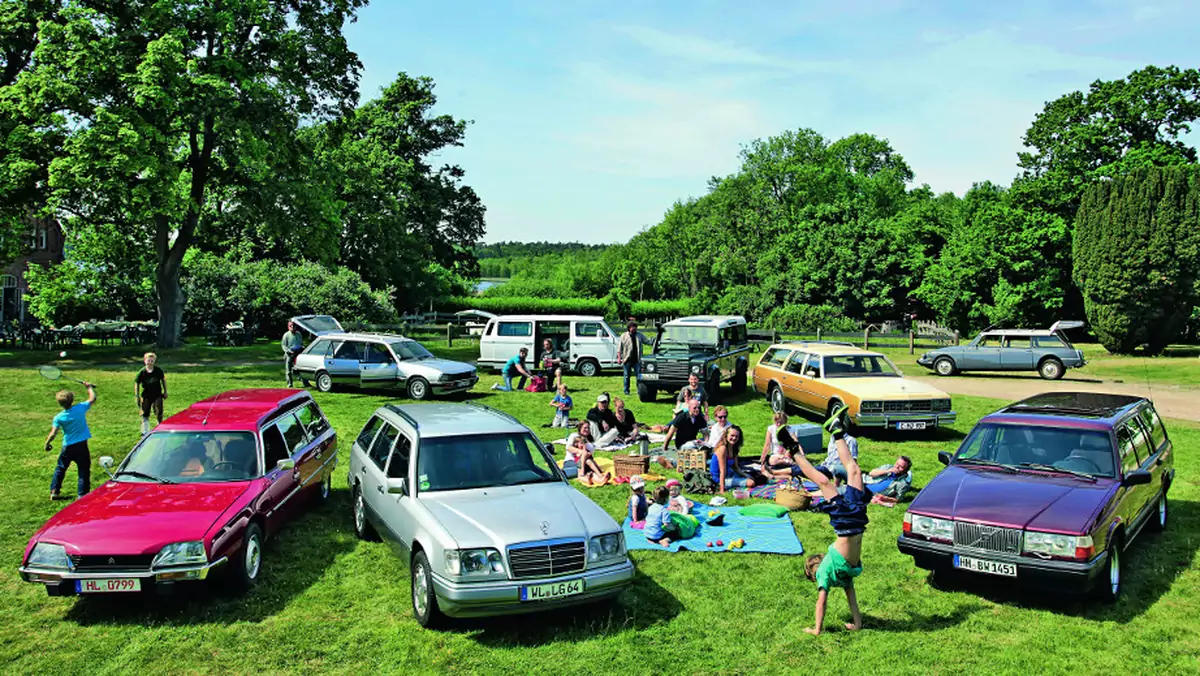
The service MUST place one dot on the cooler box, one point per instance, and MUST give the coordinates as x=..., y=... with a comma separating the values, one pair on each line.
x=809, y=436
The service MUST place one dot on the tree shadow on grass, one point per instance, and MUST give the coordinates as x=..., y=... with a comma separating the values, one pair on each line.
x=1149, y=569
x=643, y=604
x=293, y=560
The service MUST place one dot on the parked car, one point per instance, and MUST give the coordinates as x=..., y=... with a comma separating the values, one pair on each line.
x=376, y=360
x=1047, y=351
x=715, y=348
x=477, y=507
x=201, y=493
x=817, y=376
x=1049, y=491
x=589, y=343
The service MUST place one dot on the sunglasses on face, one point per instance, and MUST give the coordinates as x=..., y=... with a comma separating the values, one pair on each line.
x=722, y=417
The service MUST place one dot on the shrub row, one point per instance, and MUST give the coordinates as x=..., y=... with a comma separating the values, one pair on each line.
x=645, y=309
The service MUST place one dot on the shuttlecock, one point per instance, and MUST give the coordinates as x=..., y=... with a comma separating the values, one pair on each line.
x=62, y=354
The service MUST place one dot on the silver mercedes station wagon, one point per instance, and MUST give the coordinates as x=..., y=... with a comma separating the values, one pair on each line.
x=486, y=520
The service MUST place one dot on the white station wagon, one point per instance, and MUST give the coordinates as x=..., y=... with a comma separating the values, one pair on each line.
x=476, y=505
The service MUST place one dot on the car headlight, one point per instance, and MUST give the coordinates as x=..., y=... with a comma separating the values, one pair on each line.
x=46, y=555
x=650, y=367
x=606, y=548
x=871, y=407
x=473, y=562
x=941, y=405
x=180, y=554
x=930, y=527
x=696, y=368
x=1058, y=546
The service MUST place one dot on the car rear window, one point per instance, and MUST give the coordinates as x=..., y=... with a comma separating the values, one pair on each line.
x=1158, y=434
x=1048, y=341
x=368, y=432
x=1086, y=451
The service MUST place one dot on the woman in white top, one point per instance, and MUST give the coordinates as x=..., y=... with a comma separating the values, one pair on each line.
x=717, y=429
x=773, y=452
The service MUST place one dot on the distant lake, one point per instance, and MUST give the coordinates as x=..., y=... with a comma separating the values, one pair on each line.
x=487, y=283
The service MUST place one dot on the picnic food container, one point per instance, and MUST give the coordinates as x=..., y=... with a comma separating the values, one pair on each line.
x=629, y=465
x=693, y=458
x=791, y=498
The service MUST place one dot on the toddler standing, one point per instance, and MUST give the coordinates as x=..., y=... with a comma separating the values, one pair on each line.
x=562, y=404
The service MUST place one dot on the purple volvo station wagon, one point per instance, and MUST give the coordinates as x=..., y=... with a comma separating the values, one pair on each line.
x=1048, y=491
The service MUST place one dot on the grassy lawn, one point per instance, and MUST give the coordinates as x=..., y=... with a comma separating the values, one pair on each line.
x=327, y=602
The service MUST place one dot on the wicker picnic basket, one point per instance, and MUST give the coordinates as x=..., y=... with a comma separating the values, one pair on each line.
x=791, y=498
x=693, y=458
x=628, y=465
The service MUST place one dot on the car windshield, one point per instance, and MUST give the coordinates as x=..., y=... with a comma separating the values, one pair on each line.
x=192, y=457
x=409, y=349
x=463, y=462
x=1077, y=451
x=689, y=335
x=860, y=366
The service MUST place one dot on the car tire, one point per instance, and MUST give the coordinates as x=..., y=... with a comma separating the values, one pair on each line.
x=944, y=366
x=1050, y=369
x=646, y=394
x=713, y=387
x=1108, y=586
x=588, y=368
x=245, y=569
x=1159, y=524
x=424, y=600
x=362, y=526
x=776, y=399
x=418, y=389
x=738, y=384
x=324, y=382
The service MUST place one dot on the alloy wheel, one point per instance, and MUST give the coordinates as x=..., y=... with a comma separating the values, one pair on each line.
x=253, y=559
x=420, y=590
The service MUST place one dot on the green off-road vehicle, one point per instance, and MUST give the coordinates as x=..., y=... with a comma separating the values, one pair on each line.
x=714, y=348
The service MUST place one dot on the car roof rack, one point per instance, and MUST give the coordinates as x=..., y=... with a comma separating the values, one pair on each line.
x=842, y=343
x=404, y=414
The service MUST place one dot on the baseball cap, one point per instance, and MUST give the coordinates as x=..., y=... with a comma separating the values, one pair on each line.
x=603, y=397
x=636, y=481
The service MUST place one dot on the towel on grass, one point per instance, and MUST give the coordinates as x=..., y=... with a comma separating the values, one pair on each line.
x=606, y=465
x=764, y=535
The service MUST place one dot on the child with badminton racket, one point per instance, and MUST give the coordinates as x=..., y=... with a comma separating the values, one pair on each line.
x=72, y=420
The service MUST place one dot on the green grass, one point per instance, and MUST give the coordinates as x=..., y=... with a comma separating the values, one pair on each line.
x=327, y=602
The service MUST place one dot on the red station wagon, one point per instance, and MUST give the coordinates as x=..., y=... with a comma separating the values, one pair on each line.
x=200, y=493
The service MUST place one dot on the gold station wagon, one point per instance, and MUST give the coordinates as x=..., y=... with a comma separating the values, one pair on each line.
x=815, y=376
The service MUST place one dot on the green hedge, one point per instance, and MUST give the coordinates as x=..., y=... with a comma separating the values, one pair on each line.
x=515, y=305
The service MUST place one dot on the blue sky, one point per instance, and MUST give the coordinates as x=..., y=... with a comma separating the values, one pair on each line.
x=591, y=118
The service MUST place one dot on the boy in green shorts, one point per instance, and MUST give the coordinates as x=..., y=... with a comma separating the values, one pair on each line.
x=847, y=514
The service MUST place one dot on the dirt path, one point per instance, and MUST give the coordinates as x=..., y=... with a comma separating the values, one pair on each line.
x=1171, y=401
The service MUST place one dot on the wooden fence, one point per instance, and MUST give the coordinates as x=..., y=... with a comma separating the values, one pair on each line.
x=866, y=339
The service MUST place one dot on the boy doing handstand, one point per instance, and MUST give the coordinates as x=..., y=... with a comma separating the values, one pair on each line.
x=847, y=514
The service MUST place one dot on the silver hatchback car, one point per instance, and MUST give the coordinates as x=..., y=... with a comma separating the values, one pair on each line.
x=476, y=505
x=376, y=360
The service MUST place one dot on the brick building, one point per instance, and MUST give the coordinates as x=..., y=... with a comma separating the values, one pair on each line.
x=45, y=247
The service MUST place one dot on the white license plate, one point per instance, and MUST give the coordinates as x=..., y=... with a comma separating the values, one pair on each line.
x=650, y=376
x=911, y=425
x=983, y=566
x=108, y=586
x=554, y=590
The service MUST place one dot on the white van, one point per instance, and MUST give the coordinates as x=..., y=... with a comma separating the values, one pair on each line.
x=590, y=343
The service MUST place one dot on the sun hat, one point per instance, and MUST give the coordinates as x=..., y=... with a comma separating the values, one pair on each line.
x=636, y=481
x=673, y=482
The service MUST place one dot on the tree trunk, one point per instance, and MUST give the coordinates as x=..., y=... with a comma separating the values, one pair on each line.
x=170, y=306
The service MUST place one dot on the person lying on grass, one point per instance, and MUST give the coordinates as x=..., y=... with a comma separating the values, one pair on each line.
x=847, y=514
x=900, y=473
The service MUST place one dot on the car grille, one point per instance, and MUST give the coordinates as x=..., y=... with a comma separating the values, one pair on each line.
x=919, y=406
x=673, y=370
x=546, y=559
x=987, y=538
x=100, y=563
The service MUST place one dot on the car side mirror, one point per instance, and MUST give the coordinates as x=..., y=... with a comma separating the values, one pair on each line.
x=397, y=486
x=285, y=464
x=945, y=457
x=1138, y=477
x=106, y=462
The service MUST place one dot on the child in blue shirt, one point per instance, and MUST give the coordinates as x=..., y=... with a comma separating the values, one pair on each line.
x=659, y=528
x=72, y=420
x=562, y=404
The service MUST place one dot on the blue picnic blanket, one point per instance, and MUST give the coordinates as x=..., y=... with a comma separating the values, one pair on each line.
x=769, y=535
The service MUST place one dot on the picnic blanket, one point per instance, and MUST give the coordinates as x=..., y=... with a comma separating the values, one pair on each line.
x=764, y=535
x=606, y=465
x=767, y=491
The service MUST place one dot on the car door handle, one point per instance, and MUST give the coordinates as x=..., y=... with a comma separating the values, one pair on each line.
x=379, y=487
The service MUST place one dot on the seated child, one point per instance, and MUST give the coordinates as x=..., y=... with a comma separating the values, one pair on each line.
x=847, y=514
x=678, y=503
x=638, y=505
x=562, y=407
x=659, y=528
x=774, y=455
x=580, y=451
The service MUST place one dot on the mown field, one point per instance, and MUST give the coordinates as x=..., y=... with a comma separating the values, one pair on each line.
x=328, y=602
